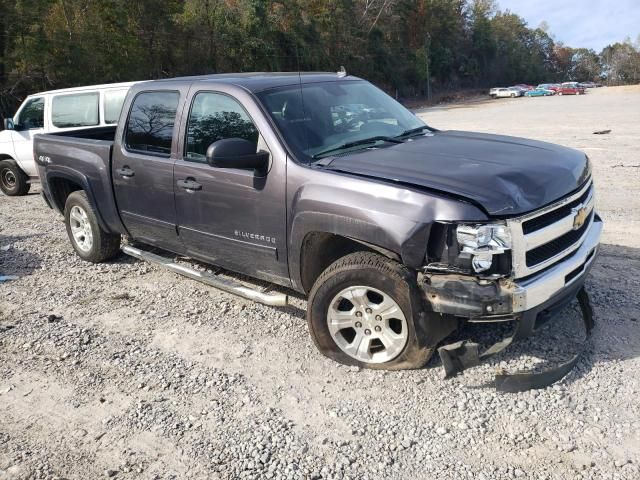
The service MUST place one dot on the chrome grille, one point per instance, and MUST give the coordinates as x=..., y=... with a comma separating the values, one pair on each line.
x=546, y=236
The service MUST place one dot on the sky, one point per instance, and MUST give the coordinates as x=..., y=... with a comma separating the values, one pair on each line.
x=581, y=23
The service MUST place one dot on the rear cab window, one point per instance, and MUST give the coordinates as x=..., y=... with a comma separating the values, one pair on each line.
x=75, y=110
x=151, y=121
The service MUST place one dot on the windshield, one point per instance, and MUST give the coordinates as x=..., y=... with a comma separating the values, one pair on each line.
x=331, y=116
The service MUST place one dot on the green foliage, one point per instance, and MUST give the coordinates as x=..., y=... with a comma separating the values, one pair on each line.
x=402, y=45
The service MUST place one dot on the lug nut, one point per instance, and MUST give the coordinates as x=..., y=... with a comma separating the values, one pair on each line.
x=378, y=328
x=378, y=318
x=358, y=314
x=358, y=324
x=368, y=310
x=367, y=332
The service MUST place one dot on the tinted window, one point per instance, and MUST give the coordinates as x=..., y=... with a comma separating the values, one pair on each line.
x=32, y=114
x=150, y=124
x=78, y=110
x=113, y=100
x=213, y=117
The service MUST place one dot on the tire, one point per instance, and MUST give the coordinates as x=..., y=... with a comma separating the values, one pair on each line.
x=374, y=281
x=513, y=95
x=90, y=242
x=560, y=93
x=13, y=181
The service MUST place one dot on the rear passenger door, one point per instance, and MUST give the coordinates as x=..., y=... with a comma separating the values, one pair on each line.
x=142, y=169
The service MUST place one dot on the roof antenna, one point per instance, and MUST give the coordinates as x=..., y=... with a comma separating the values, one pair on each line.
x=342, y=72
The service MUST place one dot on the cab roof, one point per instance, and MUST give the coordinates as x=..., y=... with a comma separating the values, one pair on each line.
x=259, y=81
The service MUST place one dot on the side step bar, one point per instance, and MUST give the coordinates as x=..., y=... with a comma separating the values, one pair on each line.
x=273, y=299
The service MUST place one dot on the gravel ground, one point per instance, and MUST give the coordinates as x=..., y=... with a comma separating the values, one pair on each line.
x=123, y=370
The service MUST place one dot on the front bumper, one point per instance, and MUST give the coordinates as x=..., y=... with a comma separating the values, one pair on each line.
x=480, y=300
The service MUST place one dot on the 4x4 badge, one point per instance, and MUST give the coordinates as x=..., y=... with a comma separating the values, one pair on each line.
x=580, y=216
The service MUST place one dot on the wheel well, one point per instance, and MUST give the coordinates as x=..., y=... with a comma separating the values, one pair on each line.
x=321, y=249
x=4, y=156
x=60, y=189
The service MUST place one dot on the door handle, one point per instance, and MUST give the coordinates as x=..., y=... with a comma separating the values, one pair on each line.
x=189, y=185
x=125, y=172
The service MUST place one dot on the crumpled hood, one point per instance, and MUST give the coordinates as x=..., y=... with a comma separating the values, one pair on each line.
x=506, y=175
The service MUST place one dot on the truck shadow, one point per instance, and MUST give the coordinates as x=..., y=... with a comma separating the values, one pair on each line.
x=612, y=286
x=15, y=260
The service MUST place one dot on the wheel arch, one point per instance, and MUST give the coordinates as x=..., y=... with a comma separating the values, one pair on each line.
x=319, y=239
x=320, y=249
x=62, y=184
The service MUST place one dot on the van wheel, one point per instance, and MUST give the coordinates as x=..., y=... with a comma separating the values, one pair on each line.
x=365, y=310
x=90, y=242
x=13, y=181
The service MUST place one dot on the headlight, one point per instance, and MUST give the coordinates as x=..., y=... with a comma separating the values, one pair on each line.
x=483, y=242
x=484, y=238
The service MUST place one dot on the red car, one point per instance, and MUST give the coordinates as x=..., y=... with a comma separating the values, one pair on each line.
x=570, y=90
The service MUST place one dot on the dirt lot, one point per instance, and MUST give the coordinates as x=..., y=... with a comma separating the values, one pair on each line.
x=125, y=371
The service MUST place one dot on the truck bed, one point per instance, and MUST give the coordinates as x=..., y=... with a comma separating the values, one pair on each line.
x=82, y=158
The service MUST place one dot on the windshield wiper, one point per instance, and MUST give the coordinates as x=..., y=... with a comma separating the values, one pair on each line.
x=411, y=131
x=356, y=143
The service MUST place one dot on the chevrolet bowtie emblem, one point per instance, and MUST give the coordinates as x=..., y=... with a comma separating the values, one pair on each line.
x=579, y=217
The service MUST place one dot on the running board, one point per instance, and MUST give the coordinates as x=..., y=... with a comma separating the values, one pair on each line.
x=273, y=299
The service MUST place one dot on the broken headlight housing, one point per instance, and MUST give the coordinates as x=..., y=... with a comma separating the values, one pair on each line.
x=482, y=242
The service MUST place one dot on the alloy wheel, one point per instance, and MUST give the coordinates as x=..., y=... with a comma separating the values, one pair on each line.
x=367, y=324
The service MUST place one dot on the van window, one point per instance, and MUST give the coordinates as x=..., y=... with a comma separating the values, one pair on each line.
x=75, y=110
x=32, y=114
x=113, y=100
x=150, y=124
x=214, y=117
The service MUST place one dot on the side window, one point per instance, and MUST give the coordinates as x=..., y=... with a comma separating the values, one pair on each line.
x=32, y=114
x=213, y=117
x=113, y=100
x=76, y=110
x=150, y=124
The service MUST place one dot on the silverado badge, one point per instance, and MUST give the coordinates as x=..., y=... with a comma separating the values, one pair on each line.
x=580, y=215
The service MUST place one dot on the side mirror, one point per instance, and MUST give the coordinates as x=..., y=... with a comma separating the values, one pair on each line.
x=8, y=124
x=236, y=153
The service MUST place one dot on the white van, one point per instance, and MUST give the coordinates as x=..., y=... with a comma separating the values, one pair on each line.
x=51, y=112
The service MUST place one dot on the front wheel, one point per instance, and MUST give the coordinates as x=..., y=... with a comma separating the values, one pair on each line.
x=13, y=181
x=90, y=242
x=365, y=310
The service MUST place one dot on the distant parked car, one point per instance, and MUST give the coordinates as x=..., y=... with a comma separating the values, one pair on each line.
x=571, y=89
x=506, y=92
x=549, y=86
x=524, y=86
x=539, y=92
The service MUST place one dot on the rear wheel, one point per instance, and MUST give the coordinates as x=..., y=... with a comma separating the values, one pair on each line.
x=90, y=242
x=13, y=181
x=364, y=310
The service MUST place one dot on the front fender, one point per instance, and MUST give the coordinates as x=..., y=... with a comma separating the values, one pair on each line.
x=389, y=216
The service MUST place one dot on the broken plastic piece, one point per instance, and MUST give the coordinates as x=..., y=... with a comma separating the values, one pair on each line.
x=459, y=356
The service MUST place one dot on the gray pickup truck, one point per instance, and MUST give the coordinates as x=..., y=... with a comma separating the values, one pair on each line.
x=397, y=233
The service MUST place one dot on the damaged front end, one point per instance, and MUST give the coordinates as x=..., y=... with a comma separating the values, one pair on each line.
x=523, y=270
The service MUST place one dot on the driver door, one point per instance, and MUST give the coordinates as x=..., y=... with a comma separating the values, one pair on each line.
x=231, y=217
x=29, y=123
